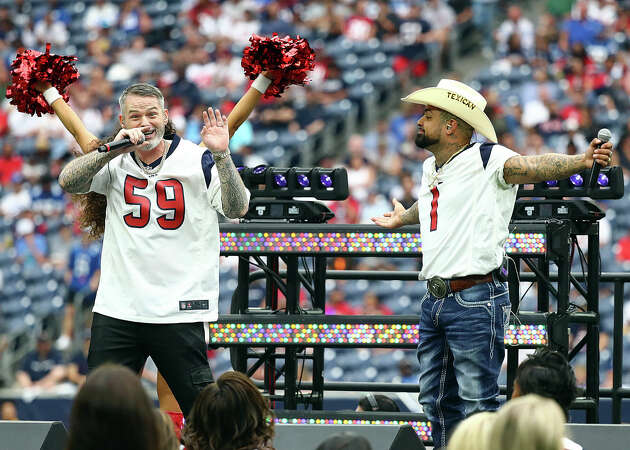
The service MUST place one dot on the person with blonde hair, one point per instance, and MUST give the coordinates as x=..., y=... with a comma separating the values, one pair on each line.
x=530, y=422
x=473, y=433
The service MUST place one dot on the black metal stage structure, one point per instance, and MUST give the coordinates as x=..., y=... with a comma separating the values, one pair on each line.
x=542, y=245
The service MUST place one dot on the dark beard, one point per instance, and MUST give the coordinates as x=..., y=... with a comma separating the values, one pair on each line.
x=424, y=141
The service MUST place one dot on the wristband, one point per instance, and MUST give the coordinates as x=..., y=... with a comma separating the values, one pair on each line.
x=261, y=83
x=220, y=155
x=51, y=94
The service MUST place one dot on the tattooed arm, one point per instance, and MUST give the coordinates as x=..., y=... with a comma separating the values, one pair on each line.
x=216, y=137
x=552, y=166
x=234, y=199
x=399, y=216
x=76, y=177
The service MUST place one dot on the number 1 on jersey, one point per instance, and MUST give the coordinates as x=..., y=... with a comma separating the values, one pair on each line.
x=434, y=205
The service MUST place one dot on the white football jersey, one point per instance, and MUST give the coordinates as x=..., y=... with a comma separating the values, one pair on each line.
x=160, y=260
x=464, y=210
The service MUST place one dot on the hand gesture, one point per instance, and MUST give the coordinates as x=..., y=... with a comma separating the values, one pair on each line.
x=391, y=219
x=215, y=133
x=602, y=154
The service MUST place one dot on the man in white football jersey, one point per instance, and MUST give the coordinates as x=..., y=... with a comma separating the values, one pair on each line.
x=464, y=207
x=159, y=267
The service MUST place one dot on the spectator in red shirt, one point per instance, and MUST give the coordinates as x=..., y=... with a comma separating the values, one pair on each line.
x=359, y=27
x=338, y=305
x=10, y=163
x=372, y=305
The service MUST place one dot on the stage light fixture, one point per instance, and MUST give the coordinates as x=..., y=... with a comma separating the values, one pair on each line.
x=285, y=183
x=610, y=185
x=576, y=179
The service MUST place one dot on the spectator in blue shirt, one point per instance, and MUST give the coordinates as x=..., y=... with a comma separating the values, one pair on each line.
x=41, y=367
x=31, y=247
x=583, y=30
x=82, y=278
x=78, y=366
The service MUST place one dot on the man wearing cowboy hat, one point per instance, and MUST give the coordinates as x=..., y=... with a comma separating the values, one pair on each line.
x=465, y=204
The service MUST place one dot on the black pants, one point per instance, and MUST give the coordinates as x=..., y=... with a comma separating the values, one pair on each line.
x=178, y=349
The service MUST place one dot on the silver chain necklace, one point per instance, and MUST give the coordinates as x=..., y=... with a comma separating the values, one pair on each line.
x=147, y=169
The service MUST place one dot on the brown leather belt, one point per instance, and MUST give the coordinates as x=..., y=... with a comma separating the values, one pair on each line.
x=440, y=287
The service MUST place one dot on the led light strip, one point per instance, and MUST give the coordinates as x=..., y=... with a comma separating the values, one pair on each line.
x=423, y=429
x=367, y=243
x=347, y=334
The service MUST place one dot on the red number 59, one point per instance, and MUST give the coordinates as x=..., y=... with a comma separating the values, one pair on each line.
x=169, y=197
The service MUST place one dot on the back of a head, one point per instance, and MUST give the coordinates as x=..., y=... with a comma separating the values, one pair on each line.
x=547, y=373
x=530, y=422
x=378, y=402
x=229, y=414
x=473, y=433
x=345, y=441
x=112, y=410
x=166, y=437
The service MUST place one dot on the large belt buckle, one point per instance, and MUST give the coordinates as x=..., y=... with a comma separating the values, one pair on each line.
x=437, y=287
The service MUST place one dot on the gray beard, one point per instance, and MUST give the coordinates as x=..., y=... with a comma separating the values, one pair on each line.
x=155, y=141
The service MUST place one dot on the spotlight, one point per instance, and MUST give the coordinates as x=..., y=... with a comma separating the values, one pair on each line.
x=576, y=179
x=259, y=169
x=325, y=180
x=280, y=180
x=602, y=180
x=552, y=183
x=303, y=180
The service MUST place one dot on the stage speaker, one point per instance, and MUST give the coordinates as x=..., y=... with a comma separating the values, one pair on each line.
x=381, y=437
x=26, y=435
x=610, y=437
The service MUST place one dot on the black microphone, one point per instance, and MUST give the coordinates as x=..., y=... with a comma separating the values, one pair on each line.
x=115, y=145
x=604, y=135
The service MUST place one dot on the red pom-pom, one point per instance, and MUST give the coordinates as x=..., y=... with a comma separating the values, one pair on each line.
x=31, y=66
x=287, y=59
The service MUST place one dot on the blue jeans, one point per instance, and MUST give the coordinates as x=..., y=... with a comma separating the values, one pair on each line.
x=460, y=353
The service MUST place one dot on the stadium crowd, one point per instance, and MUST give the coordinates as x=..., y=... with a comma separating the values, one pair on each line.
x=551, y=84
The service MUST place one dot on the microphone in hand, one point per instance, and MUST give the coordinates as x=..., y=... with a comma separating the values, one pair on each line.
x=604, y=135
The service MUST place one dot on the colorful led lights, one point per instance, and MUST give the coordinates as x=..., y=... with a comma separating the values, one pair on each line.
x=325, y=180
x=602, y=179
x=576, y=179
x=347, y=334
x=551, y=183
x=280, y=180
x=422, y=429
x=259, y=170
x=529, y=243
x=303, y=180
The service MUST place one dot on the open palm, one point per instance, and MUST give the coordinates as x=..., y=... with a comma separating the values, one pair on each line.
x=215, y=133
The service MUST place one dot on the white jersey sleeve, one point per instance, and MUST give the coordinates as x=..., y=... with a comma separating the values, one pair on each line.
x=498, y=157
x=101, y=180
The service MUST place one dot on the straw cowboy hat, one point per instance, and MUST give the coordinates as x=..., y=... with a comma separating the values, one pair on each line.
x=460, y=100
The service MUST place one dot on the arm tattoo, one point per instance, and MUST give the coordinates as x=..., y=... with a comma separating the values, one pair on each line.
x=233, y=191
x=77, y=176
x=410, y=216
x=533, y=169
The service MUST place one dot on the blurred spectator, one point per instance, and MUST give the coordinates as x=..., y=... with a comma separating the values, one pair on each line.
x=10, y=163
x=372, y=305
x=133, y=18
x=406, y=373
x=112, y=410
x=337, y=304
x=50, y=30
x=78, y=365
x=414, y=34
x=484, y=12
x=377, y=402
x=528, y=423
x=359, y=27
x=406, y=193
x=48, y=198
x=31, y=247
x=474, y=432
x=442, y=18
x=345, y=441
x=515, y=25
x=230, y=413
x=82, y=277
x=139, y=59
x=274, y=20
x=374, y=205
x=101, y=14
x=8, y=411
x=17, y=199
x=580, y=28
x=604, y=11
x=42, y=367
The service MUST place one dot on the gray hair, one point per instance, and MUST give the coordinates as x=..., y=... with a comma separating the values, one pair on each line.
x=141, y=90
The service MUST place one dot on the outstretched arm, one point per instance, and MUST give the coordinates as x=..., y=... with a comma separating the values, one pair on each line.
x=552, y=166
x=86, y=140
x=399, y=216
